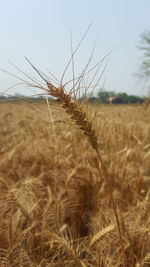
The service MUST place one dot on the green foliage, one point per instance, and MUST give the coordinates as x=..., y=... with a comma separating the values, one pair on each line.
x=129, y=99
x=92, y=99
x=104, y=96
x=120, y=98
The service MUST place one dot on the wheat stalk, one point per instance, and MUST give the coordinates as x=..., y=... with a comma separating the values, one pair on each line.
x=79, y=115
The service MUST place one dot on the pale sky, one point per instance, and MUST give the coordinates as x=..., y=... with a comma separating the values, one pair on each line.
x=41, y=30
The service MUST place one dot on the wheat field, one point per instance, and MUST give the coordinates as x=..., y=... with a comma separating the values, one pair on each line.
x=55, y=203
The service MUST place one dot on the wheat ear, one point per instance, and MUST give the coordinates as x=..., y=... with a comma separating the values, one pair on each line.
x=77, y=113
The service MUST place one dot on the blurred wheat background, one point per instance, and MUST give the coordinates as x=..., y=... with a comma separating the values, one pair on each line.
x=55, y=206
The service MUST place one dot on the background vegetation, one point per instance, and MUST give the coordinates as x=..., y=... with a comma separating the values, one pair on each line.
x=118, y=98
x=102, y=97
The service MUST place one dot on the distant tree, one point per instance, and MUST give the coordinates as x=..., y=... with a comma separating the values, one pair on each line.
x=144, y=46
x=123, y=98
x=105, y=95
x=93, y=99
x=117, y=100
x=132, y=99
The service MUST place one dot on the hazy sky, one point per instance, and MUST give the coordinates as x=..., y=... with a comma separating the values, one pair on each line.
x=41, y=30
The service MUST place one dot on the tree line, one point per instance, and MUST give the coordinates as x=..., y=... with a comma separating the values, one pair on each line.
x=104, y=97
x=109, y=97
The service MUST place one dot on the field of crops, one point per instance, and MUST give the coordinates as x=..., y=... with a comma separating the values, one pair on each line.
x=56, y=205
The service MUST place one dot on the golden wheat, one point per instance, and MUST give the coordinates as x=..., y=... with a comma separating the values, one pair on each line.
x=54, y=208
x=76, y=112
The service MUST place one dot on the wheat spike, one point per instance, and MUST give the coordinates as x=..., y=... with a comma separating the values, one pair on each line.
x=76, y=112
x=101, y=233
